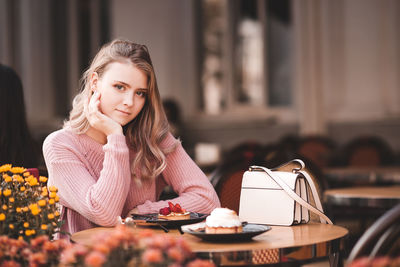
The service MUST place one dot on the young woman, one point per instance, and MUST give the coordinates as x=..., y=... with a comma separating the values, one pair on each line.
x=17, y=147
x=115, y=153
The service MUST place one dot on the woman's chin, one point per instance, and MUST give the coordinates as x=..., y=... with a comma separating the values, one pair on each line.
x=123, y=123
x=120, y=121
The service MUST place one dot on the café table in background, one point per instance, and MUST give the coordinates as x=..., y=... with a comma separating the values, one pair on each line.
x=350, y=176
x=384, y=197
x=282, y=244
x=356, y=208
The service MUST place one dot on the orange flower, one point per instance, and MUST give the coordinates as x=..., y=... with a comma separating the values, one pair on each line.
x=7, y=178
x=102, y=247
x=37, y=259
x=53, y=188
x=200, y=263
x=33, y=182
x=5, y=168
x=152, y=255
x=175, y=254
x=17, y=178
x=146, y=233
x=17, y=170
x=50, y=246
x=42, y=202
x=7, y=192
x=95, y=259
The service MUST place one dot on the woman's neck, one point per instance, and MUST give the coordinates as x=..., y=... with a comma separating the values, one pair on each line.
x=96, y=135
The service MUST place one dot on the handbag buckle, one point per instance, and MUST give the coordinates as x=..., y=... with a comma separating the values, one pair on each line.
x=255, y=168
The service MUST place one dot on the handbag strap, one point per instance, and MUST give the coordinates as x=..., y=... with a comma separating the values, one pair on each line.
x=315, y=195
x=297, y=198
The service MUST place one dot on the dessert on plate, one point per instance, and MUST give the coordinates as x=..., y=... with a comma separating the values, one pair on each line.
x=173, y=212
x=223, y=221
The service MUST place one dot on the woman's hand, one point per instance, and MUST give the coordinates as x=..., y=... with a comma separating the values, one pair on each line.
x=98, y=120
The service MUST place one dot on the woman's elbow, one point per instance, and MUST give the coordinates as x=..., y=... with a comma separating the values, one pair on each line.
x=109, y=223
x=105, y=220
x=212, y=203
x=104, y=215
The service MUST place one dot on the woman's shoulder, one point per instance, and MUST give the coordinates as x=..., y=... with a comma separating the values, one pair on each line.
x=169, y=141
x=61, y=144
x=62, y=137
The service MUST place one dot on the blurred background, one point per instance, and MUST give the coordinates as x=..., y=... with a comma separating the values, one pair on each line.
x=228, y=71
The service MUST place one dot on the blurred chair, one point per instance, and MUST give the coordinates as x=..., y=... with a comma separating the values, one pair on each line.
x=367, y=151
x=308, y=149
x=173, y=113
x=318, y=149
x=34, y=172
x=227, y=177
x=381, y=238
x=280, y=153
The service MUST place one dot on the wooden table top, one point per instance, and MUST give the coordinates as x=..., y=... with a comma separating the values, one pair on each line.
x=374, y=196
x=363, y=175
x=316, y=238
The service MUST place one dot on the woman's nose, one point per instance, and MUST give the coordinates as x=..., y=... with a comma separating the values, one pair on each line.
x=128, y=99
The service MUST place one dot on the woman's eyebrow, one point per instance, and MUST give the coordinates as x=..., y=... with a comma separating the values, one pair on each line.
x=123, y=83
x=127, y=85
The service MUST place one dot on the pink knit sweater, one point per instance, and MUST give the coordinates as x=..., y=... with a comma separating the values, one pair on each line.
x=95, y=185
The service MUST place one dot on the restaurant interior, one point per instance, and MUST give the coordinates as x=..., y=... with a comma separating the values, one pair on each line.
x=245, y=82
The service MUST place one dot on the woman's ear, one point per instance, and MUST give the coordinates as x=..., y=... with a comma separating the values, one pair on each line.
x=93, y=82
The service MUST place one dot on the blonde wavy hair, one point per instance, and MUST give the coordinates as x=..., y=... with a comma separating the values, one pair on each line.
x=149, y=128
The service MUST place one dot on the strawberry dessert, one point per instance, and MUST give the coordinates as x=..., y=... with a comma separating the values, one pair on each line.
x=173, y=212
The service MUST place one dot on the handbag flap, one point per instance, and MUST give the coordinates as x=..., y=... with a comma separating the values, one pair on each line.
x=263, y=201
x=260, y=179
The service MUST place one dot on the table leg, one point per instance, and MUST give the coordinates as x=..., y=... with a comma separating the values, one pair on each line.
x=335, y=260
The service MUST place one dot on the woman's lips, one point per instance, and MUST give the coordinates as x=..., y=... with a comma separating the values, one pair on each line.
x=124, y=112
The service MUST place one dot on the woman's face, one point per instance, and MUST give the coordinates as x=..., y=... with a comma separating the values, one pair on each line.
x=123, y=90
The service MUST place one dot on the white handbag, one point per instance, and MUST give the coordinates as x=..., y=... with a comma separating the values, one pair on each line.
x=278, y=197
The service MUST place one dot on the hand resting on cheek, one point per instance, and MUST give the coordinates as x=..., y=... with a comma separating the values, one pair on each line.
x=98, y=120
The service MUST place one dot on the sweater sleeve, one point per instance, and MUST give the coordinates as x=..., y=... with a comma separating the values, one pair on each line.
x=99, y=200
x=195, y=191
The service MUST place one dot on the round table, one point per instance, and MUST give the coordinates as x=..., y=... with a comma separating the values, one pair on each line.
x=280, y=244
x=353, y=175
x=370, y=196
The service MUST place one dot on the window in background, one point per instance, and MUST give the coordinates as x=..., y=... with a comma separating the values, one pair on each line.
x=246, y=57
x=213, y=25
x=49, y=44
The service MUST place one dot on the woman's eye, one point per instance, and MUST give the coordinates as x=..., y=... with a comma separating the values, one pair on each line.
x=140, y=93
x=119, y=87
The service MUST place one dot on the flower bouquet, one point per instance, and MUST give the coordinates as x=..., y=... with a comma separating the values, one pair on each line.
x=27, y=207
x=380, y=261
x=120, y=247
x=124, y=247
